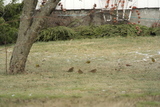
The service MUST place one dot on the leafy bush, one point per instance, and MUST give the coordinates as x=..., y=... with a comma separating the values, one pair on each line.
x=155, y=31
x=64, y=33
x=106, y=31
x=12, y=13
x=56, y=33
x=85, y=31
x=8, y=34
x=1, y=7
x=112, y=30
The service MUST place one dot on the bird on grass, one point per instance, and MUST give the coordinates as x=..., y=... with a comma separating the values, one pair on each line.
x=93, y=70
x=71, y=69
x=153, y=60
x=88, y=62
x=37, y=65
x=128, y=65
x=80, y=71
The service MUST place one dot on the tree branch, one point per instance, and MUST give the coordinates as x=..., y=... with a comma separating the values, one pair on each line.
x=38, y=19
x=45, y=11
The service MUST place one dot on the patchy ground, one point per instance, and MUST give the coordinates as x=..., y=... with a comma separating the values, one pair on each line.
x=128, y=74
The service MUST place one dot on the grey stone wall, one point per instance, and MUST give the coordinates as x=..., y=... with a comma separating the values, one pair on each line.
x=84, y=17
x=74, y=18
x=148, y=16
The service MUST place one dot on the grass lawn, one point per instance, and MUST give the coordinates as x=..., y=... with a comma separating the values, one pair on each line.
x=128, y=74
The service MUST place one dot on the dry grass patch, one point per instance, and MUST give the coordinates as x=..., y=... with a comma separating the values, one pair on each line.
x=126, y=74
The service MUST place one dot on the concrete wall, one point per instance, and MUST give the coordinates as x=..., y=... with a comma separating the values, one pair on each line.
x=76, y=18
x=148, y=16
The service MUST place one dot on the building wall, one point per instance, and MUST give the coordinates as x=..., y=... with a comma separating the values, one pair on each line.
x=79, y=9
x=148, y=16
x=147, y=3
x=80, y=4
x=76, y=18
x=9, y=1
x=88, y=4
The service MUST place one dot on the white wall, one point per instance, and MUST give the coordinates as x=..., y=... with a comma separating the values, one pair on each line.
x=147, y=3
x=139, y=3
x=71, y=4
x=9, y=1
x=80, y=4
x=88, y=4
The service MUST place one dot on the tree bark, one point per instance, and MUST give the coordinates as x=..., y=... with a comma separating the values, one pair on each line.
x=30, y=24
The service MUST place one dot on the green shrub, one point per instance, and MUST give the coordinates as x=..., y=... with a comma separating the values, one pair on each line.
x=56, y=33
x=12, y=13
x=125, y=30
x=112, y=30
x=155, y=31
x=106, y=31
x=85, y=31
x=8, y=34
x=1, y=7
x=64, y=33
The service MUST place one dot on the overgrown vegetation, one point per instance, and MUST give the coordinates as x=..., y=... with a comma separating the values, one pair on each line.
x=56, y=33
x=12, y=14
x=155, y=29
x=124, y=30
x=9, y=22
x=8, y=34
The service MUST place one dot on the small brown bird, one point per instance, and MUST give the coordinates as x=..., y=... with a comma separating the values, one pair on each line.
x=70, y=69
x=37, y=65
x=93, y=70
x=88, y=62
x=153, y=60
x=128, y=65
x=80, y=71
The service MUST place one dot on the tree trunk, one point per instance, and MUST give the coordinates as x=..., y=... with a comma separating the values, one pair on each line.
x=30, y=25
